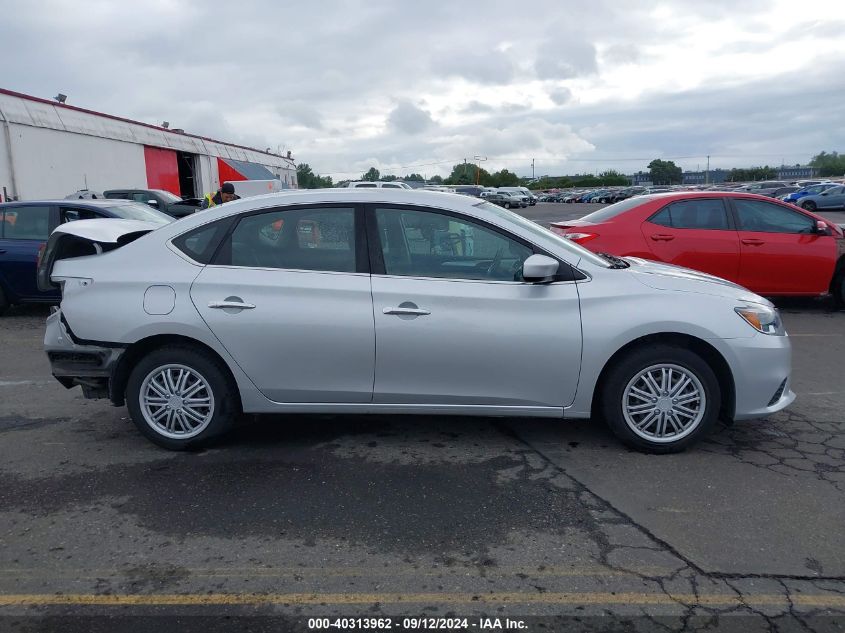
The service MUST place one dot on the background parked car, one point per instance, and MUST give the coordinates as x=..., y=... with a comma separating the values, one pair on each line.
x=764, y=188
x=158, y=199
x=25, y=228
x=503, y=200
x=765, y=245
x=366, y=184
x=796, y=196
x=782, y=192
x=832, y=198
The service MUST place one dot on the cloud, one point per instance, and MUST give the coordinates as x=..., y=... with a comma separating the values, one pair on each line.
x=396, y=84
x=565, y=57
x=492, y=67
x=476, y=107
x=560, y=96
x=409, y=119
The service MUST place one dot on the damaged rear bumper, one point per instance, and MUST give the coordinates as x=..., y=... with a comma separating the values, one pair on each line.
x=74, y=362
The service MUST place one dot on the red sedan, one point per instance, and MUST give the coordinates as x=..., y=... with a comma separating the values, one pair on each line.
x=767, y=246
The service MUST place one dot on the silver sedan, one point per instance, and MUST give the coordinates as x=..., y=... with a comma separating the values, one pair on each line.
x=399, y=302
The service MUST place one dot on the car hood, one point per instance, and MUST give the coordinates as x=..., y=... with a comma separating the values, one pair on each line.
x=107, y=230
x=676, y=278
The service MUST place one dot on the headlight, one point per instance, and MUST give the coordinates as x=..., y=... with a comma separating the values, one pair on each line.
x=762, y=318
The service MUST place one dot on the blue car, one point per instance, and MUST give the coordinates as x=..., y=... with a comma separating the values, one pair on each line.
x=25, y=227
x=812, y=190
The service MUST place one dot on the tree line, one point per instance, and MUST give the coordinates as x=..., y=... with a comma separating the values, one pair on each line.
x=661, y=172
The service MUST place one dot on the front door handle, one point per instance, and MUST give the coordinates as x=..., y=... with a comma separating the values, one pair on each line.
x=235, y=303
x=750, y=241
x=662, y=237
x=407, y=311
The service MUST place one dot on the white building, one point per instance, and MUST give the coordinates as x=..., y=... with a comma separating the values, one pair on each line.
x=50, y=150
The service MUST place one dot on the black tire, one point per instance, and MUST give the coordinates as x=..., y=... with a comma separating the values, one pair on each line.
x=4, y=303
x=838, y=289
x=629, y=367
x=507, y=205
x=222, y=387
x=809, y=205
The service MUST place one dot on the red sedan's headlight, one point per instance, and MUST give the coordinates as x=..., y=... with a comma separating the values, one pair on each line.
x=580, y=238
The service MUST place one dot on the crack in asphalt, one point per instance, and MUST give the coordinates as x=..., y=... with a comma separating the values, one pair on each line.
x=790, y=444
x=688, y=570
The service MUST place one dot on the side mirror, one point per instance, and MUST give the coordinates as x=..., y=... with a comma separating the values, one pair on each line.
x=539, y=269
x=821, y=228
x=152, y=203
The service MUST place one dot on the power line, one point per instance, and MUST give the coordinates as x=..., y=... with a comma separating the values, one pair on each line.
x=567, y=158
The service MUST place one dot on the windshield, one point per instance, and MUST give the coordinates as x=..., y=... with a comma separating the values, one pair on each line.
x=532, y=227
x=137, y=211
x=167, y=195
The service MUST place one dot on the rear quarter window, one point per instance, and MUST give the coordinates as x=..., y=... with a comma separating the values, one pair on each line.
x=610, y=212
x=201, y=243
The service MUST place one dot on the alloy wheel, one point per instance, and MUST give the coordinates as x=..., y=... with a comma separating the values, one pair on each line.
x=176, y=401
x=664, y=403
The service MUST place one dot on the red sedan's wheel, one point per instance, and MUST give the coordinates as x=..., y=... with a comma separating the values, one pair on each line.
x=838, y=289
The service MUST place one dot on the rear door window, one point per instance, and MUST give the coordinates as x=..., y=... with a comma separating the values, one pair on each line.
x=318, y=239
x=26, y=223
x=703, y=214
x=71, y=214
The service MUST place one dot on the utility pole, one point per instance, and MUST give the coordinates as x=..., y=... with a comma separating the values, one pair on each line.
x=707, y=175
x=532, y=169
x=465, y=167
x=478, y=160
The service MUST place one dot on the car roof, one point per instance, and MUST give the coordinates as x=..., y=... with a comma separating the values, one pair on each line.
x=99, y=202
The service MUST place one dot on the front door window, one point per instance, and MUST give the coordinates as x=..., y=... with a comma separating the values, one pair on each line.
x=431, y=244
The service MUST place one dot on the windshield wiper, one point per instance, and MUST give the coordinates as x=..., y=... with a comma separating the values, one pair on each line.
x=615, y=262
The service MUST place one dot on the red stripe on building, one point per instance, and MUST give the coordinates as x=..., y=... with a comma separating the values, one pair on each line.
x=228, y=173
x=162, y=169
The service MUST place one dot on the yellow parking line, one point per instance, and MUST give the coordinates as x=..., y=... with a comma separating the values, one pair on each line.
x=279, y=572
x=584, y=598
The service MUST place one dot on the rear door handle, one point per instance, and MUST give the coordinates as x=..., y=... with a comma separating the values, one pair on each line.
x=412, y=311
x=662, y=237
x=237, y=305
x=750, y=241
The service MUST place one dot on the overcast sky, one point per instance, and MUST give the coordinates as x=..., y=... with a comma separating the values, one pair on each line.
x=415, y=86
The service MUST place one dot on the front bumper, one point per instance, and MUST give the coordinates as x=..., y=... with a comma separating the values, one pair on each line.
x=73, y=363
x=761, y=367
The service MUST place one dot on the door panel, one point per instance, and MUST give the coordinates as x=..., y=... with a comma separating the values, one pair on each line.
x=455, y=323
x=310, y=337
x=24, y=230
x=483, y=343
x=685, y=234
x=779, y=252
x=286, y=298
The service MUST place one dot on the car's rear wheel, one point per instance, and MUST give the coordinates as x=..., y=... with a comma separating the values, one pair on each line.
x=661, y=398
x=809, y=205
x=507, y=205
x=838, y=289
x=180, y=397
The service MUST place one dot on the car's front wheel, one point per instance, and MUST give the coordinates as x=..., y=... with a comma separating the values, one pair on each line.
x=809, y=205
x=661, y=398
x=507, y=205
x=180, y=397
x=4, y=303
x=838, y=289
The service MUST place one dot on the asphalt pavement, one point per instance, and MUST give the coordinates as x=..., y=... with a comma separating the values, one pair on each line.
x=296, y=516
